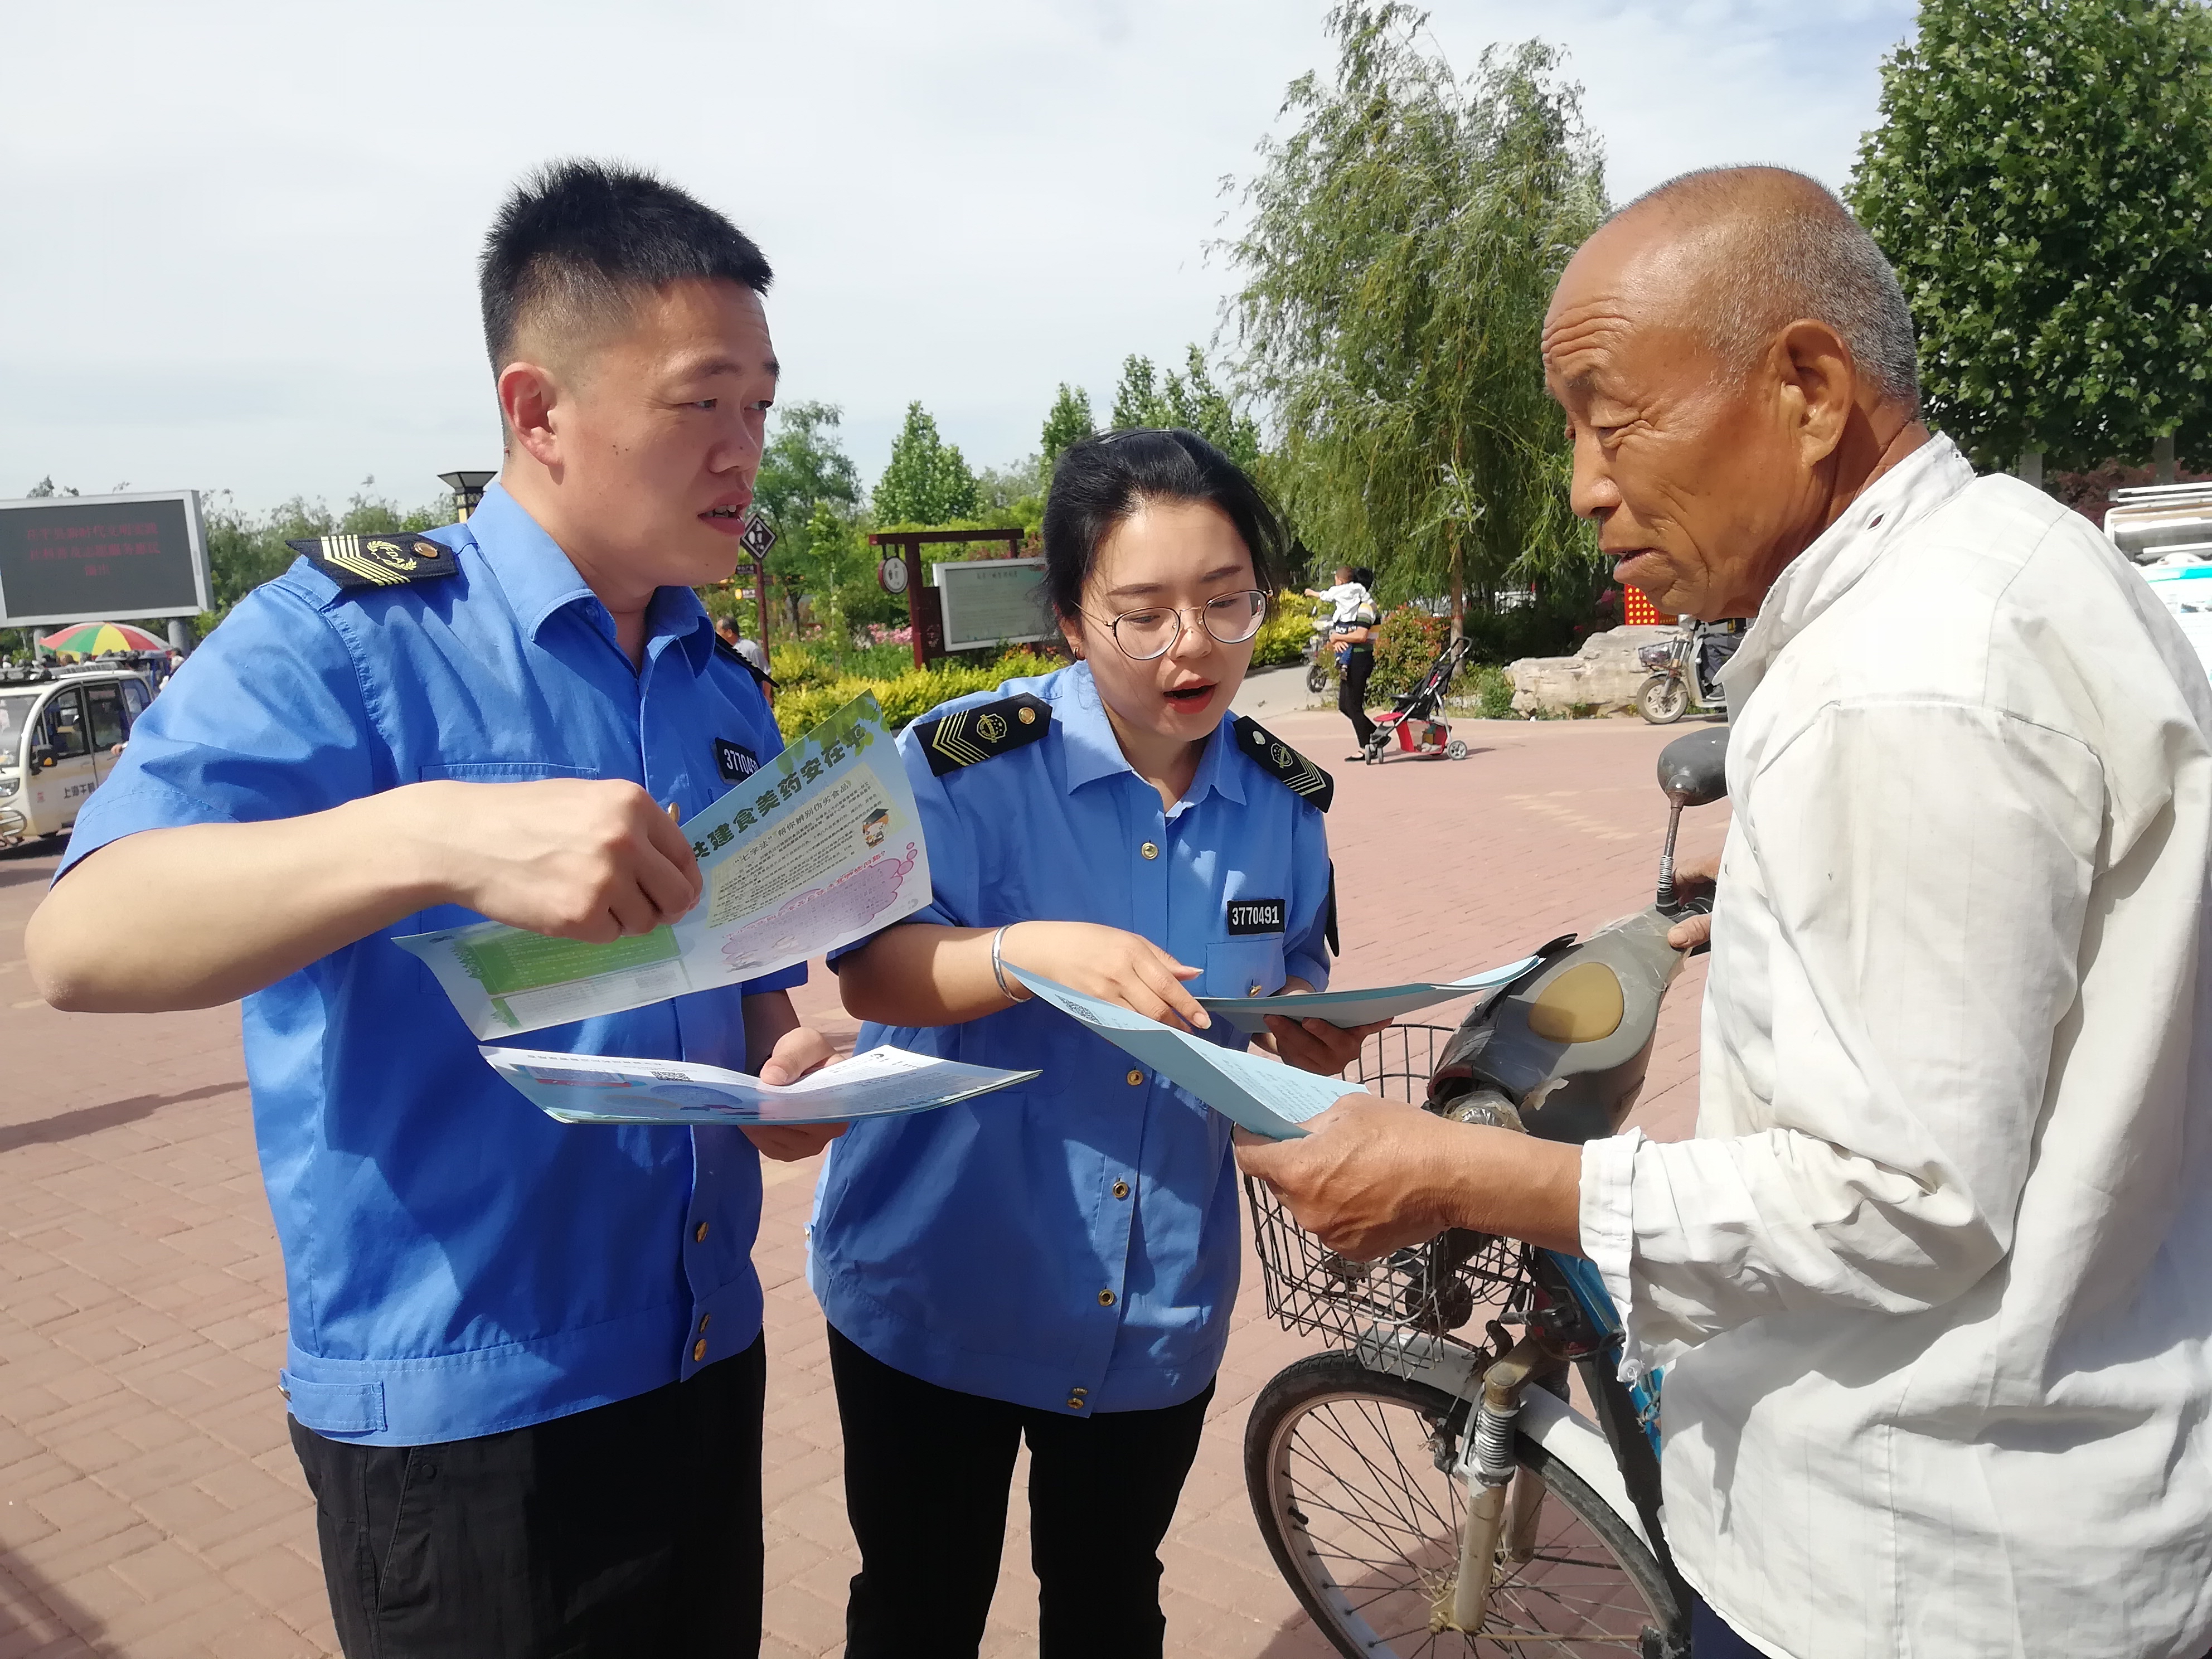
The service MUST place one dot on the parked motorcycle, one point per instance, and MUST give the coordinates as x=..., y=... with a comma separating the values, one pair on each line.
x=1687, y=671
x=1320, y=659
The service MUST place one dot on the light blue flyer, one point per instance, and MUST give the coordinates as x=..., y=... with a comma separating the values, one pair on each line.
x=1264, y=1095
x=1359, y=1007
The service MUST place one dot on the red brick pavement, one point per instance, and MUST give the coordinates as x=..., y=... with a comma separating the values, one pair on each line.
x=150, y=1503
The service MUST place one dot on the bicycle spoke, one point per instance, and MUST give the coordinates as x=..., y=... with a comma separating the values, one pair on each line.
x=1375, y=1528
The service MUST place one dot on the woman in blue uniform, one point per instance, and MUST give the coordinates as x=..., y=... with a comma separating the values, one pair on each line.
x=1058, y=1262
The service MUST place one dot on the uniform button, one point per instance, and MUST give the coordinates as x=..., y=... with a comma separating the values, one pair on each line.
x=1149, y=849
x=1254, y=991
x=1105, y=1298
x=699, y=1234
x=1135, y=1076
x=1073, y=1404
x=1078, y=1392
x=1121, y=1190
x=705, y=1320
x=699, y=1350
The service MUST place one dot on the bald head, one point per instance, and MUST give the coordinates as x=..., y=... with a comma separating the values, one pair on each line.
x=1736, y=363
x=1752, y=250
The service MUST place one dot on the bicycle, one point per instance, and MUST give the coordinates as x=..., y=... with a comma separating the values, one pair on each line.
x=1427, y=1491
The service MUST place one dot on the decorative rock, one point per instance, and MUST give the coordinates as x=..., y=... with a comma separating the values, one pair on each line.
x=1601, y=677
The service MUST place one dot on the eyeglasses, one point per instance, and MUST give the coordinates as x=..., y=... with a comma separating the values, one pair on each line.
x=1146, y=635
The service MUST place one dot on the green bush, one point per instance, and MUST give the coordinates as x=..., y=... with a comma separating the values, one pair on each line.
x=1491, y=693
x=905, y=697
x=1407, y=642
x=1282, y=638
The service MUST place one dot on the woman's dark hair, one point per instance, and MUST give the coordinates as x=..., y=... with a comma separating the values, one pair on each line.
x=1099, y=482
x=1363, y=576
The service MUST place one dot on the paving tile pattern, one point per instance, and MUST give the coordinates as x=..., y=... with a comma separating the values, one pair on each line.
x=150, y=1502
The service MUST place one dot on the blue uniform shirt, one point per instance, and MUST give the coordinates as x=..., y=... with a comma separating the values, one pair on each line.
x=456, y=1261
x=1072, y=1244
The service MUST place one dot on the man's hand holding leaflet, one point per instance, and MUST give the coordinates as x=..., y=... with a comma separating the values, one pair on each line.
x=820, y=846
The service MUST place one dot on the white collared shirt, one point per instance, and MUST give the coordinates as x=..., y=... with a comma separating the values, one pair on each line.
x=1933, y=1284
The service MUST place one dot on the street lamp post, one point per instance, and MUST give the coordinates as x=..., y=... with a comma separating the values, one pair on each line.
x=468, y=489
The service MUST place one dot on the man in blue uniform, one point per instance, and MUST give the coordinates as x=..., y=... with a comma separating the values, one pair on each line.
x=525, y=1369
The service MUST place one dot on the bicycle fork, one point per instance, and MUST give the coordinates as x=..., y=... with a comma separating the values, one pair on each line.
x=1505, y=1502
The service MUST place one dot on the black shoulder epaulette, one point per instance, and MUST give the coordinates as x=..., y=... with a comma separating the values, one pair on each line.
x=392, y=561
x=967, y=735
x=766, y=682
x=1293, y=771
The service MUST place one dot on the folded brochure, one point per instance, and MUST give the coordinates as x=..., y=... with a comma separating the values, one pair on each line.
x=602, y=1088
x=820, y=846
x=1263, y=1096
x=1359, y=1007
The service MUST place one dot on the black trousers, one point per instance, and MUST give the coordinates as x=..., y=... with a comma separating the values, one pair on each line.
x=1352, y=694
x=630, y=1528
x=927, y=1476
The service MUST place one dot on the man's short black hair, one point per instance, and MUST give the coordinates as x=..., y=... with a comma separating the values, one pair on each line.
x=577, y=241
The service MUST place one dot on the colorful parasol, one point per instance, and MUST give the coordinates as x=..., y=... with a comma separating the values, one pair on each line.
x=90, y=639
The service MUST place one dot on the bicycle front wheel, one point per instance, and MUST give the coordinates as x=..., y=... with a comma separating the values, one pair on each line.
x=1343, y=1467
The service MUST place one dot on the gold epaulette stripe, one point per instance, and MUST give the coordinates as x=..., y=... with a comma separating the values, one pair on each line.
x=948, y=741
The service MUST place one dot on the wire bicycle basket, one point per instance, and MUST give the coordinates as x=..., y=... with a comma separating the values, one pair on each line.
x=1424, y=1295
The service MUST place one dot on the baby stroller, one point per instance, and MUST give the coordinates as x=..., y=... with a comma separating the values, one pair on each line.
x=1416, y=721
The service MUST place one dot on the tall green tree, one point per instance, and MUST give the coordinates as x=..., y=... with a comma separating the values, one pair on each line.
x=1067, y=420
x=1403, y=244
x=1137, y=400
x=804, y=465
x=2042, y=179
x=807, y=487
x=1190, y=400
x=927, y=482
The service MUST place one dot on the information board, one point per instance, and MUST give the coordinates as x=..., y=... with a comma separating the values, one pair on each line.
x=102, y=558
x=993, y=602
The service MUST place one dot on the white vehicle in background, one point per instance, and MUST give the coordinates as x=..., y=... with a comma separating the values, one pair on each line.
x=2166, y=530
x=56, y=730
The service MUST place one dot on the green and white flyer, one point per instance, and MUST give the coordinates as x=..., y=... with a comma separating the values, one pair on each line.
x=821, y=847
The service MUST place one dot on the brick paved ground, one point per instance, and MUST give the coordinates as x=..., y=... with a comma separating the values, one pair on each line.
x=150, y=1503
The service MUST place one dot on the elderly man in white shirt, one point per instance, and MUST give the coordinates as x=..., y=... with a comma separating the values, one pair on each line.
x=1933, y=1284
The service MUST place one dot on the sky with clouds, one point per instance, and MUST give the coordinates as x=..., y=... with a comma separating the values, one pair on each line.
x=240, y=238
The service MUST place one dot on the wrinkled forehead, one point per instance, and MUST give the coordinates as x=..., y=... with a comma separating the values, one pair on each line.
x=1637, y=289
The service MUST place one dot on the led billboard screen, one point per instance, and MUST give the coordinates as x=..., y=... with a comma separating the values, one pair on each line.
x=82, y=558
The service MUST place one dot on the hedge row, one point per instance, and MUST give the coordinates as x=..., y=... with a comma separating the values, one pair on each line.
x=808, y=697
x=811, y=686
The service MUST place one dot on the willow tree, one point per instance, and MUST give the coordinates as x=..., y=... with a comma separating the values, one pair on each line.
x=1403, y=246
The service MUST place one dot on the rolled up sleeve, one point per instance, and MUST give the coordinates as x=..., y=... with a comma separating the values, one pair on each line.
x=1895, y=953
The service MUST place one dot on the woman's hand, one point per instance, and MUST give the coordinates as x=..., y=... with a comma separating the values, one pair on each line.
x=1109, y=964
x=1315, y=1045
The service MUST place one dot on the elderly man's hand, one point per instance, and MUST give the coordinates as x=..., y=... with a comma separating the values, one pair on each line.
x=1700, y=879
x=1363, y=1176
x=1371, y=1177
